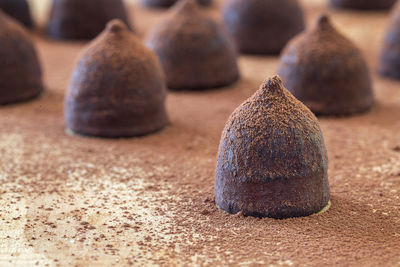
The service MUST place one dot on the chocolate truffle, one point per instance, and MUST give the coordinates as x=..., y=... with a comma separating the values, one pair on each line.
x=390, y=56
x=195, y=51
x=83, y=19
x=327, y=72
x=263, y=26
x=168, y=3
x=20, y=72
x=272, y=160
x=19, y=10
x=363, y=4
x=117, y=89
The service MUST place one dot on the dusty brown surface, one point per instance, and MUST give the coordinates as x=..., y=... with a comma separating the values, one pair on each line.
x=69, y=200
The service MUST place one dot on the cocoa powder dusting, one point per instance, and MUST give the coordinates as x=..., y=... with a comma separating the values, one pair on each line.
x=76, y=196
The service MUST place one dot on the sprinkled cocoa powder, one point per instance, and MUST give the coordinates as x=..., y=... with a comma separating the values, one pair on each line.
x=162, y=185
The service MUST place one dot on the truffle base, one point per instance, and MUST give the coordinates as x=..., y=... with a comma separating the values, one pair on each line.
x=277, y=198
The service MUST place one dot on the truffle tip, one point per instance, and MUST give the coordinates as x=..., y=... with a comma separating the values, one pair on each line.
x=272, y=84
x=116, y=25
x=323, y=19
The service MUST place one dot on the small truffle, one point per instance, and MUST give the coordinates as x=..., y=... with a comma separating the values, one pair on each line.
x=195, y=51
x=327, y=72
x=363, y=4
x=19, y=10
x=83, y=19
x=20, y=71
x=390, y=56
x=272, y=160
x=263, y=26
x=117, y=89
x=168, y=3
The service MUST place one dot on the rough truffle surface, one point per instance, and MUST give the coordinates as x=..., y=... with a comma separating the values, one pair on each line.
x=18, y=9
x=272, y=160
x=363, y=4
x=327, y=72
x=263, y=26
x=117, y=89
x=83, y=19
x=195, y=51
x=20, y=70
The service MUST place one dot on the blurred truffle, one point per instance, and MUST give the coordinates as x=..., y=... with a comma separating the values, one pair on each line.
x=272, y=160
x=117, y=89
x=83, y=19
x=19, y=10
x=168, y=3
x=263, y=26
x=20, y=71
x=390, y=55
x=195, y=51
x=363, y=4
x=327, y=72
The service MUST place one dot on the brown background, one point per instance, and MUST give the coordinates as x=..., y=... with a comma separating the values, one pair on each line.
x=71, y=200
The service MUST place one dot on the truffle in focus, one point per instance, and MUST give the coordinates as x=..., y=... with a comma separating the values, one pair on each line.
x=272, y=160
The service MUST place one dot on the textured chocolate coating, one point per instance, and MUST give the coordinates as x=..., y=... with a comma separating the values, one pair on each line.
x=327, y=72
x=272, y=160
x=195, y=51
x=363, y=4
x=168, y=3
x=20, y=71
x=390, y=56
x=83, y=19
x=117, y=89
x=19, y=10
x=263, y=26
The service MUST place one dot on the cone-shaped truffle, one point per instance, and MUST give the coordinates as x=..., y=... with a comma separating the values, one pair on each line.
x=168, y=3
x=20, y=71
x=19, y=10
x=195, y=51
x=83, y=19
x=272, y=160
x=117, y=89
x=327, y=72
x=263, y=26
x=390, y=55
x=363, y=4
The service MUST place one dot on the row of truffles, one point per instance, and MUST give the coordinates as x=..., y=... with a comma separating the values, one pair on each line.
x=272, y=161
x=321, y=67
